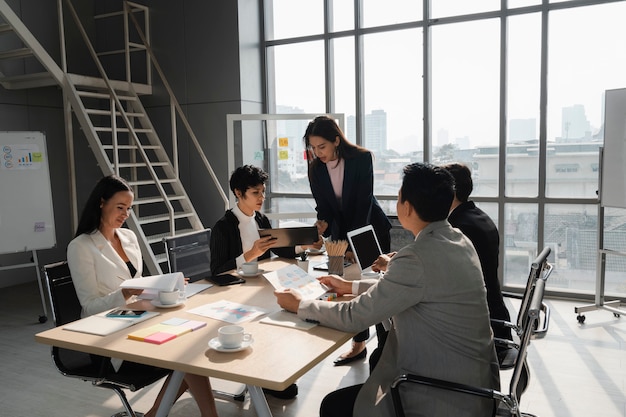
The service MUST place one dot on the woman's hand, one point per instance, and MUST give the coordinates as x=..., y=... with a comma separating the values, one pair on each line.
x=260, y=246
x=129, y=292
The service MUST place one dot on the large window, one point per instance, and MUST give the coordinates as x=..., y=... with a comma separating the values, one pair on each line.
x=517, y=93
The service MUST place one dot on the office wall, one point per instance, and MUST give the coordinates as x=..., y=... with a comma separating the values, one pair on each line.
x=203, y=47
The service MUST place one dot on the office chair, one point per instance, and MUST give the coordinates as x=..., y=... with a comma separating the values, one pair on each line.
x=191, y=254
x=504, y=404
x=65, y=309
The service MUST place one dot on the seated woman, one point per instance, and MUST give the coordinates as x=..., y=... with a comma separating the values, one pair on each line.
x=235, y=237
x=101, y=256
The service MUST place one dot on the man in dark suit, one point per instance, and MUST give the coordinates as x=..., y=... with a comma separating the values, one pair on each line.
x=480, y=229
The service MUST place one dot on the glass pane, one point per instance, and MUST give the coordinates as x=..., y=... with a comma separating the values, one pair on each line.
x=521, y=3
x=290, y=19
x=299, y=77
x=344, y=89
x=520, y=242
x=524, y=64
x=442, y=8
x=287, y=164
x=387, y=12
x=615, y=239
x=343, y=15
x=572, y=233
x=465, y=97
x=393, y=104
x=579, y=37
x=299, y=206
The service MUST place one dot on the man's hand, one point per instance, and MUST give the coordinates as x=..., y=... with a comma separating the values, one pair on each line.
x=336, y=284
x=288, y=299
x=380, y=264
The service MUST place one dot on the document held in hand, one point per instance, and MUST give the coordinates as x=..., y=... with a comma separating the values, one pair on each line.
x=293, y=277
x=163, y=282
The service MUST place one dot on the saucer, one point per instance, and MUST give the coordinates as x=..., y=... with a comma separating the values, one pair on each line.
x=157, y=303
x=216, y=345
x=315, y=251
x=243, y=274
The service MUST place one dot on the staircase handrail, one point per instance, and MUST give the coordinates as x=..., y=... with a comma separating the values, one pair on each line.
x=123, y=114
x=176, y=106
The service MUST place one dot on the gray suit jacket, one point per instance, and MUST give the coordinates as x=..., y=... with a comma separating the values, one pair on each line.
x=97, y=270
x=435, y=294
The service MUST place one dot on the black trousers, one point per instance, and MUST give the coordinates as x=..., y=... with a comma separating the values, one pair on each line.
x=340, y=403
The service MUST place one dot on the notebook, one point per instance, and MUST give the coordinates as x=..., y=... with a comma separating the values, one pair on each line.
x=101, y=325
x=365, y=247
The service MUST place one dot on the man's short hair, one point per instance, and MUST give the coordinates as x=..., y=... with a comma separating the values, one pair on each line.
x=247, y=176
x=429, y=189
x=462, y=180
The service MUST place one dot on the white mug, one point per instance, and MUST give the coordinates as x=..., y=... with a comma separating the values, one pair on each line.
x=169, y=297
x=233, y=336
x=250, y=267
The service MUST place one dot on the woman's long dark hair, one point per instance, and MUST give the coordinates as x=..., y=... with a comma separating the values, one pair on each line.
x=328, y=129
x=92, y=212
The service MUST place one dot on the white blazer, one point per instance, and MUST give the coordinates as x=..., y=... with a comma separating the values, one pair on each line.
x=97, y=270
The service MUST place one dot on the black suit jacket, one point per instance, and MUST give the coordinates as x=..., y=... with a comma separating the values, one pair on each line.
x=226, y=242
x=358, y=207
x=480, y=229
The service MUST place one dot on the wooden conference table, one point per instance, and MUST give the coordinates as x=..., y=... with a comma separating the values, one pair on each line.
x=277, y=358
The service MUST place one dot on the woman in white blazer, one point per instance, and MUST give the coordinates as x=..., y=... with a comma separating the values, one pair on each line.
x=102, y=255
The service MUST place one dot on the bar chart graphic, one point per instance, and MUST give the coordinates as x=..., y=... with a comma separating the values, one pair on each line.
x=26, y=156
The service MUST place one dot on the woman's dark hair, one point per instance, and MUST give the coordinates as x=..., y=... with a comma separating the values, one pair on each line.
x=429, y=189
x=328, y=129
x=463, y=183
x=104, y=190
x=247, y=176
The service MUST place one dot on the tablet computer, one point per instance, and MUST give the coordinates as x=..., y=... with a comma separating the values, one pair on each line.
x=292, y=236
x=365, y=247
x=226, y=279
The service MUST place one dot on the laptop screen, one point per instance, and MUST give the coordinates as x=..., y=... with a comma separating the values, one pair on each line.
x=364, y=246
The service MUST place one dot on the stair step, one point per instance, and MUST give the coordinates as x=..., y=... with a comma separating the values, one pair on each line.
x=34, y=80
x=141, y=164
x=121, y=129
x=127, y=147
x=93, y=94
x=157, y=199
x=16, y=53
x=151, y=182
x=163, y=217
x=5, y=28
x=117, y=113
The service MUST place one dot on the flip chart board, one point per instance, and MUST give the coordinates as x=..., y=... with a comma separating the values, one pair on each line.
x=613, y=191
x=26, y=214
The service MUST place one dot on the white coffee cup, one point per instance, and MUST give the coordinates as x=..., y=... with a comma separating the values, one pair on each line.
x=169, y=297
x=233, y=336
x=250, y=268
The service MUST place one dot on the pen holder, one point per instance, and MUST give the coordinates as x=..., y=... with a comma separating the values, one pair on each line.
x=335, y=265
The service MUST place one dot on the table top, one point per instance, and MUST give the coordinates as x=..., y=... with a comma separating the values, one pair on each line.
x=277, y=358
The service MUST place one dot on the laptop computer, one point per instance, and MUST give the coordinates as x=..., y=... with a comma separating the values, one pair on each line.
x=365, y=247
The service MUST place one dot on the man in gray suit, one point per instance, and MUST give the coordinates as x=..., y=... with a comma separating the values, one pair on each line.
x=434, y=292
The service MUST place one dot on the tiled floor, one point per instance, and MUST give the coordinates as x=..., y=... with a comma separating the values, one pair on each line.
x=577, y=371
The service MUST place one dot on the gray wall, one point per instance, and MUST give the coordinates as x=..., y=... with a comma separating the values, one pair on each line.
x=210, y=54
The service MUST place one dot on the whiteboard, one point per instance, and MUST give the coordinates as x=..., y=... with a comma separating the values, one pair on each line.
x=613, y=191
x=26, y=215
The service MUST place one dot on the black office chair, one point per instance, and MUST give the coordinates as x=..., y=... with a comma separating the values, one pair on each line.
x=504, y=404
x=97, y=370
x=191, y=254
x=539, y=268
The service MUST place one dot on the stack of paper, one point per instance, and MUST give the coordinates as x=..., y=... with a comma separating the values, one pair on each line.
x=164, y=282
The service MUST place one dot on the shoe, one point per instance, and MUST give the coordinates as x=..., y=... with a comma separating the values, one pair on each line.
x=346, y=360
x=287, y=394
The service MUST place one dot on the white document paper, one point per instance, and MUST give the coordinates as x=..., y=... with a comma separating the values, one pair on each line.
x=228, y=311
x=294, y=278
x=101, y=325
x=287, y=319
x=164, y=282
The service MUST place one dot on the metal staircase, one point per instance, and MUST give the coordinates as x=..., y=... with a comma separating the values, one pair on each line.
x=116, y=126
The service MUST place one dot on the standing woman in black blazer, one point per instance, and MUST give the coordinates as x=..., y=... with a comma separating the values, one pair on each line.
x=341, y=176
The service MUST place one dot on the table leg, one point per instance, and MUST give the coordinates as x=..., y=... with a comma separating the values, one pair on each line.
x=169, y=396
x=258, y=400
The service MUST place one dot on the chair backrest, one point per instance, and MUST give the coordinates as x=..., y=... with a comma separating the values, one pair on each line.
x=536, y=271
x=532, y=317
x=63, y=300
x=190, y=254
